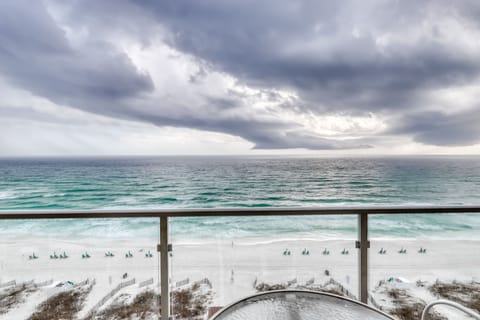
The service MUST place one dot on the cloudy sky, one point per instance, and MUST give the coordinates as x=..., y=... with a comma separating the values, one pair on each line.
x=239, y=77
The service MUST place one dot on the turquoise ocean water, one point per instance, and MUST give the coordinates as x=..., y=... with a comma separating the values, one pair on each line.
x=219, y=182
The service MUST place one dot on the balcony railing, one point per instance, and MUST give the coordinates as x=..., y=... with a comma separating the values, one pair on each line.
x=362, y=242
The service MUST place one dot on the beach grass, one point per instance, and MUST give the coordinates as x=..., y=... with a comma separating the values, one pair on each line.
x=64, y=305
x=13, y=297
x=465, y=293
x=408, y=307
x=190, y=303
x=143, y=306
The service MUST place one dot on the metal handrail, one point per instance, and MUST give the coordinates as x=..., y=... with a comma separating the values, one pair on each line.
x=208, y=212
x=455, y=305
x=164, y=214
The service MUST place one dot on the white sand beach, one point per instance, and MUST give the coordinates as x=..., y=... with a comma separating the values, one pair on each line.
x=233, y=267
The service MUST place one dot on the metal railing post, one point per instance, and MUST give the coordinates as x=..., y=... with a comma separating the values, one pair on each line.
x=164, y=285
x=363, y=245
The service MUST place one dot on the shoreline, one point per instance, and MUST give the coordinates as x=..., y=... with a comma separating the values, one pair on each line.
x=246, y=240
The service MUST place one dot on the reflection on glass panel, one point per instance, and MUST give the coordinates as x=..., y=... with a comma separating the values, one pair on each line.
x=218, y=260
x=416, y=259
x=79, y=268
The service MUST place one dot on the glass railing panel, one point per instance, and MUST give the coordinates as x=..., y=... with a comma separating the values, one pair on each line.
x=218, y=260
x=79, y=268
x=419, y=258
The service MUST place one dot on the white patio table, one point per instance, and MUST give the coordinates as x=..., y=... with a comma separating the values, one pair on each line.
x=298, y=305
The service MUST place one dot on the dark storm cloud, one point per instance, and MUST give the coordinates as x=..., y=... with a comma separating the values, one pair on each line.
x=308, y=141
x=349, y=57
x=35, y=55
x=308, y=46
x=97, y=78
x=442, y=129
